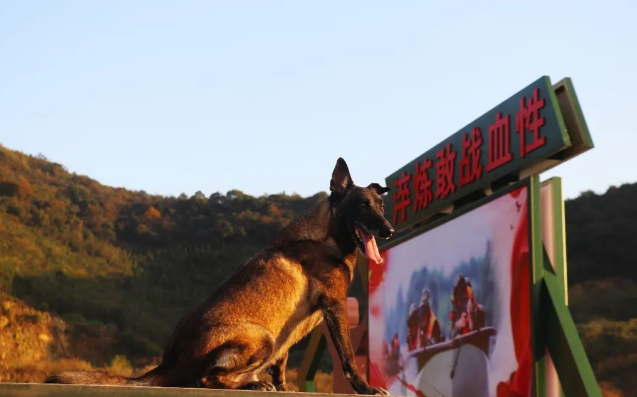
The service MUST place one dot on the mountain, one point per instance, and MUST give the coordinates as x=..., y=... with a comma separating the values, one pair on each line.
x=601, y=236
x=108, y=272
x=118, y=265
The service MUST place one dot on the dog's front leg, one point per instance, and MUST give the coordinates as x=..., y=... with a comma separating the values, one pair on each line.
x=335, y=315
x=277, y=371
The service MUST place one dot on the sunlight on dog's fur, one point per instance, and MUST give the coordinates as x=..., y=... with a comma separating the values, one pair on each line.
x=278, y=297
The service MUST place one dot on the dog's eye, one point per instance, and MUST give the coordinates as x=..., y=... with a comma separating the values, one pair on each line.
x=364, y=205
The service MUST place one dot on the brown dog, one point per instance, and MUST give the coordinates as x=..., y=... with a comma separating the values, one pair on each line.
x=279, y=296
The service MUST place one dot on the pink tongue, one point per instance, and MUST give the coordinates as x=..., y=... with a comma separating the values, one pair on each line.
x=371, y=249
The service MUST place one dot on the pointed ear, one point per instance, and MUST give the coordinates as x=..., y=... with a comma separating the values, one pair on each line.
x=341, y=179
x=378, y=188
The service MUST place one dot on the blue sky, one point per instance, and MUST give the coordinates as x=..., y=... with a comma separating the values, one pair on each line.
x=263, y=96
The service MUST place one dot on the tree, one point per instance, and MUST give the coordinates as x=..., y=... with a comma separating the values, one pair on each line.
x=151, y=214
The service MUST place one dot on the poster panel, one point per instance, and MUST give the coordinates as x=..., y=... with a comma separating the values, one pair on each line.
x=449, y=309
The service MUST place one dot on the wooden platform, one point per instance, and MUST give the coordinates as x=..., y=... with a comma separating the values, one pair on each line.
x=52, y=390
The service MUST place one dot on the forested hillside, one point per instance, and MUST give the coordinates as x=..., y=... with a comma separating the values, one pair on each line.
x=108, y=272
x=121, y=267
x=601, y=241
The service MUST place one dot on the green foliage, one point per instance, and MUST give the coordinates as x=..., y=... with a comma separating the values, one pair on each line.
x=601, y=234
x=612, y=348
x=120, y=365
x=613, y=298
x=8, y=188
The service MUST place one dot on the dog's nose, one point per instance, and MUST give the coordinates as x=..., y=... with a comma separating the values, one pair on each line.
x=388, y=233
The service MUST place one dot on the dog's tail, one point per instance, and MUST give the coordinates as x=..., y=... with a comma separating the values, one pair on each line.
x=151, y=378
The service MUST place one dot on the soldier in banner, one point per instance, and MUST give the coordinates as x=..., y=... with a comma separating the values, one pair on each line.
x=466, y=313
x=412, y=327
x=395, y=346
x=429, y=327
x=423, y=327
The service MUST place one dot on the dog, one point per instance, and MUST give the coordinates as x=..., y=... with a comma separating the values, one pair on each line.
x=276, y=298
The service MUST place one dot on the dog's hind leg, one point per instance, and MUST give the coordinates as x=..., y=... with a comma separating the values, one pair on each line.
x=233, y=364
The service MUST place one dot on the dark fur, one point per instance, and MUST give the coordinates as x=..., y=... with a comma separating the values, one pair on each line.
x=278, y=297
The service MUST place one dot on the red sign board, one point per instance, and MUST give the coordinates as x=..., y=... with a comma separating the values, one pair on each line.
x=521, y=131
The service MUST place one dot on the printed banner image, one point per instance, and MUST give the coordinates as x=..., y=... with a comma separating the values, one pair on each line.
x=449, y=309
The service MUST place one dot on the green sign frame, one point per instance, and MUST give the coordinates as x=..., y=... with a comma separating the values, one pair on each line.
x=554, y=330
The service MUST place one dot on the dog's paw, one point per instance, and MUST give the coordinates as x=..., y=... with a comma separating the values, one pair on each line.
x=378, y=391
x=259, y=385
x=282, y=387
x=362, y=387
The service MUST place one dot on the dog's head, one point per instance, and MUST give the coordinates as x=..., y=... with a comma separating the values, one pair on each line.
x=360, y=211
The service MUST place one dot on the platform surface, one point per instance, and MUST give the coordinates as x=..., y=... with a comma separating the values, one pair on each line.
x=55, y=390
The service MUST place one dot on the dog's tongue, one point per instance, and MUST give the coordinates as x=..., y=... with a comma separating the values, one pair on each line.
x=371, y=249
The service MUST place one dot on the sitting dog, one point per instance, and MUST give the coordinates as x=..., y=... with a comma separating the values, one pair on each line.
x=277, y=297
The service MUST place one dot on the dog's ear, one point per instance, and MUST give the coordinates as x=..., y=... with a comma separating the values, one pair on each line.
x=378, y=188
x=341, y=179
